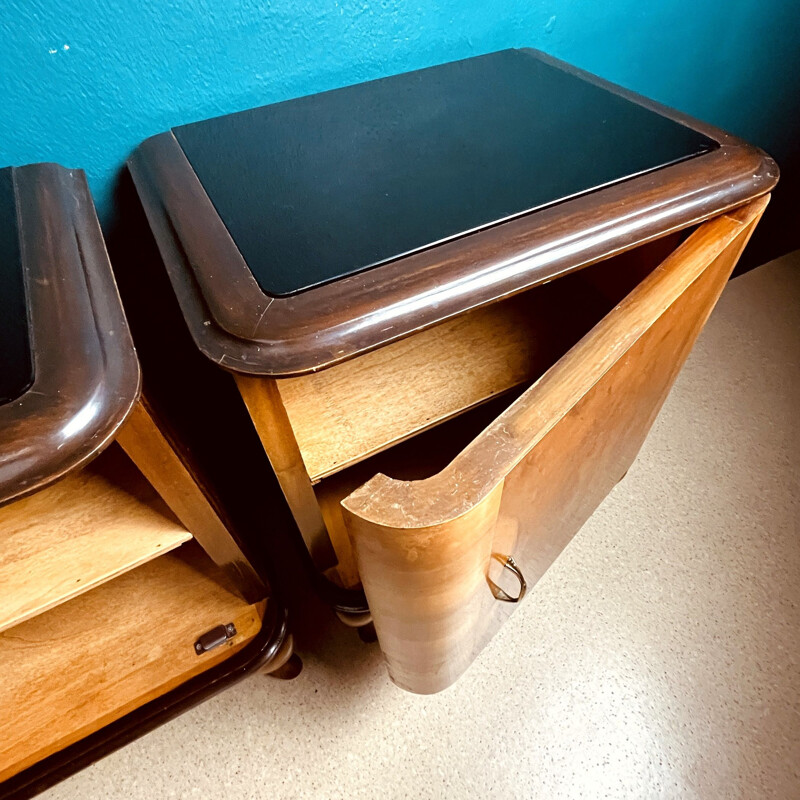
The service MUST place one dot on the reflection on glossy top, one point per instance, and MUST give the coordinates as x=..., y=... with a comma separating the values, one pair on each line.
x=325, y=186
x=16, y=366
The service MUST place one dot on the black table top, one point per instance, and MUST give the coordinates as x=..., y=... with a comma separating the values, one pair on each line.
x=322, y=187
x=16, y=365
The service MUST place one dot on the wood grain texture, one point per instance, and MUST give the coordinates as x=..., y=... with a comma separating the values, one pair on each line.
x=378, y=401
x=263, y=401
x=84, y=530
x=145, y=443
x=329, y=496
x=350, y=411
x=552, y=457
x=77, y=667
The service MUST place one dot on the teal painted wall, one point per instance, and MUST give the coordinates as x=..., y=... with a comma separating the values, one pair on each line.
x=83, y=82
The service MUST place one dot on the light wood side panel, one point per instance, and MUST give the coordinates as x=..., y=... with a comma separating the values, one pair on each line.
x=143, y=440
x=553, y=456
x=74, y=669
x=84, y=530
x=350, y=411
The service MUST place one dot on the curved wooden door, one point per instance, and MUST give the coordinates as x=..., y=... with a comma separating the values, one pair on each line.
x=528, y=482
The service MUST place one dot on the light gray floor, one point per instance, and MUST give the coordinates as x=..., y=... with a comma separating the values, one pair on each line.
x=658, y=657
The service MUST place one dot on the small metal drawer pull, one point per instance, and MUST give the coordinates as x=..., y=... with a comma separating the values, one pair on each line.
x=214, y=638
x=511, y=565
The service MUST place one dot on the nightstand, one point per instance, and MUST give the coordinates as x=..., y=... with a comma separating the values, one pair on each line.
x=453, y=302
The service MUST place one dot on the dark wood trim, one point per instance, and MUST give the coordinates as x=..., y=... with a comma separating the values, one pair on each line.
x=86, y=374
x=244, y=330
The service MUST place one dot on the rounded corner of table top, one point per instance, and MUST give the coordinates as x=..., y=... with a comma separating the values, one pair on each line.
x=85, y=375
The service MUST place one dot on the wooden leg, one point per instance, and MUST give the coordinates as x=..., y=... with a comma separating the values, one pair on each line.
x=286, y=665
x=368, y=634
x=266, y=409
x=354, y=620
x=148, y=448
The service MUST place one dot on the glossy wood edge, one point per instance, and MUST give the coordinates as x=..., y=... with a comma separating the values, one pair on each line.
x=86, y=374
x=485, y=462
x=143, y=438
x=244, y=330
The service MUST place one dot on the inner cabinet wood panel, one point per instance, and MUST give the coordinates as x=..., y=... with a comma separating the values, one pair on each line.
x=350, y=411
x=78, y=533
x=72, y=670
x=528, y=482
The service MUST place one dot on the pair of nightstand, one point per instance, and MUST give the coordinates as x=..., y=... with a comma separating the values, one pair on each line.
x=424, y=323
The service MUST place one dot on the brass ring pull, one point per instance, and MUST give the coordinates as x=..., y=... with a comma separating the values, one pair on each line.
x=511, y=565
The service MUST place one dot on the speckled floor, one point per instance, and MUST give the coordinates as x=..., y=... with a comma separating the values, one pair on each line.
x=659, y=656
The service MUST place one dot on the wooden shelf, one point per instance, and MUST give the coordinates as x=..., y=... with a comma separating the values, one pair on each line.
x=74, y=669
x=86, y=529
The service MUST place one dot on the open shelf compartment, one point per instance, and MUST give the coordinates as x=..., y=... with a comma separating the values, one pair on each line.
x=87, y=528
x=81, y=665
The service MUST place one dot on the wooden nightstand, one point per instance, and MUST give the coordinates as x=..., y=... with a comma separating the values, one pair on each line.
x=453, y=302
x=126, y=595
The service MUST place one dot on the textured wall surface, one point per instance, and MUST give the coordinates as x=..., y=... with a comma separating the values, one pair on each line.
x=82, y=82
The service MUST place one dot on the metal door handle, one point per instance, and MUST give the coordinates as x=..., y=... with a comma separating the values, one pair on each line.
x=511, y=565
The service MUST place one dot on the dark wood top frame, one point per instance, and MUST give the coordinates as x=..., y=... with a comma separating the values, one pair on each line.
x=238, y=326
x=85, y=371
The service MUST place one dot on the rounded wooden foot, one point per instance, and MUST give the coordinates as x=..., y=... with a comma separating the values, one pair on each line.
x=286, y=664
x=367, y=633
x=288, y=670
x=354, y=620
